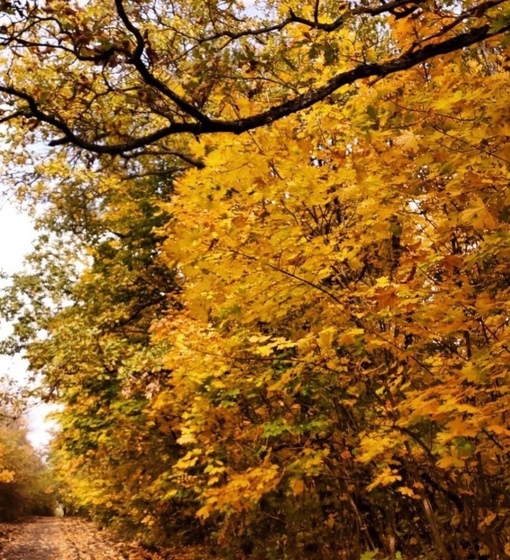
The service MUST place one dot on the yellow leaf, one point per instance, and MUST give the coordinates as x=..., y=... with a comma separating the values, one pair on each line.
x=407, y=141
x=265, y=350
x=478, y=216
x=326, y=338
x=385, y=478
x=406, y=491
x=499, y=430
x=349, y=336
x=298, y=486
x=462, y=428
x=450, y=462
x=471, y=373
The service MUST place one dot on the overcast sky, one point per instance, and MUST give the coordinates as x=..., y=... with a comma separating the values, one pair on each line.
x=17, y=235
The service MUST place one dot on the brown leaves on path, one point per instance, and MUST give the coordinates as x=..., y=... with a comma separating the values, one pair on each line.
x=50, y=538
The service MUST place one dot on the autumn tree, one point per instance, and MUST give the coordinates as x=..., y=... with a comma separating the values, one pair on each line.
x=82, y=312
x=347, y=323
x=296, y=333
x=26, y=484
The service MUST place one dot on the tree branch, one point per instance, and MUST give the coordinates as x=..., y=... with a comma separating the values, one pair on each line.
x=146, y=74
x=199, y=123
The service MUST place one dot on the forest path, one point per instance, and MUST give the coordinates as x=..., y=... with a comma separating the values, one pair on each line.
x=72, y=538
x=52, y=538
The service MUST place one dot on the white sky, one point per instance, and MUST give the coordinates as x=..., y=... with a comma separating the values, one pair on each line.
x=17, y=235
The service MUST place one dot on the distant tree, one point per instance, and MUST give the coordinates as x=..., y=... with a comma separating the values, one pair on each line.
x=26, y=484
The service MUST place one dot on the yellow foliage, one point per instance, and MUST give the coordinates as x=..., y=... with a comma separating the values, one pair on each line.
x=302, y=325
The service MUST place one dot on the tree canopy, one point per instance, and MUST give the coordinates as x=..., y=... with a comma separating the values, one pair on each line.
x=122, y=77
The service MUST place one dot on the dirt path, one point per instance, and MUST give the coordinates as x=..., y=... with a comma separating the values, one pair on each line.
x=47, y=538
x=51, y=538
